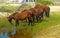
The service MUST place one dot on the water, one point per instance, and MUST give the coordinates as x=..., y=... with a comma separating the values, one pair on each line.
x=6, y=34
x=15, y=34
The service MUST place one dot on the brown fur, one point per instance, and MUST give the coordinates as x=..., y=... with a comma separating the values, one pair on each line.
x=25, y=14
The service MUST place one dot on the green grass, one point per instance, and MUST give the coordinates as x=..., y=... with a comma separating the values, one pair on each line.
x=10, y=8
x=13, y=8
x=53, y=20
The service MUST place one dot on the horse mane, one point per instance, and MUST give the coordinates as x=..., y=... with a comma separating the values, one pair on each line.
x=24, y=10
x=13, y=14
x=37, y=5
x=32, y=9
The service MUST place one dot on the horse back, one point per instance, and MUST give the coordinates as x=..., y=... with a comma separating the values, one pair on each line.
x=34, y=11
x=24, y=15
x=46, y=8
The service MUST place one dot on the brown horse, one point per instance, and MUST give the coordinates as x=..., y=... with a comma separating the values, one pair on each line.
x=25, y=14
x=36, y=14
x=46, y=9
x=40, y=11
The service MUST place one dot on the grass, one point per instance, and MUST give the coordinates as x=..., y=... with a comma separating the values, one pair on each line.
x=11, y=9
x=53, y=20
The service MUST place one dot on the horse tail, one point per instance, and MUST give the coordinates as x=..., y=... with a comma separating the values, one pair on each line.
x=48, y=11
x=44, y=12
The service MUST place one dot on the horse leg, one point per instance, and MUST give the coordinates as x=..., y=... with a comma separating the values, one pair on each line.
x=48, y=12
x=26, y=20
x=30, y=21
x=41, y=16
x=37, y=18
x=17, y=22
x=33, y=19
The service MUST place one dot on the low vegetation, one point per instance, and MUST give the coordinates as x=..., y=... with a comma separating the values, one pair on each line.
x=11, y=9
x=54, y=19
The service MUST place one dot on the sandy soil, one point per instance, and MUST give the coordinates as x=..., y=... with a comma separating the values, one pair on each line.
x=50, y=32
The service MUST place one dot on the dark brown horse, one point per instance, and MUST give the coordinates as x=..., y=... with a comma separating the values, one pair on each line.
x=25, y=14
x=46, y=9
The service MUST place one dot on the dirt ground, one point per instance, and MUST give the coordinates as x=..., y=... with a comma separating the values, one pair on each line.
x=50, y=32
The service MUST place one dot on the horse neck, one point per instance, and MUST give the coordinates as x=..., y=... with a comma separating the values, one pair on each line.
x=24, y=10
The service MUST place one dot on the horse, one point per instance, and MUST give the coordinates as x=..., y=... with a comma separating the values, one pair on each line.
x=25, y=14
x=45, y=8
x=36, y=14
x=40, y=10
x=47, y=11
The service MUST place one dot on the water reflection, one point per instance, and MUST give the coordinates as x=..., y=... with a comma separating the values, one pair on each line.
x=21, y=33
x=4, y=35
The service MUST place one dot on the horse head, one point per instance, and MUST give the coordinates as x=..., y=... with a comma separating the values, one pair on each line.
x=11, y=17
